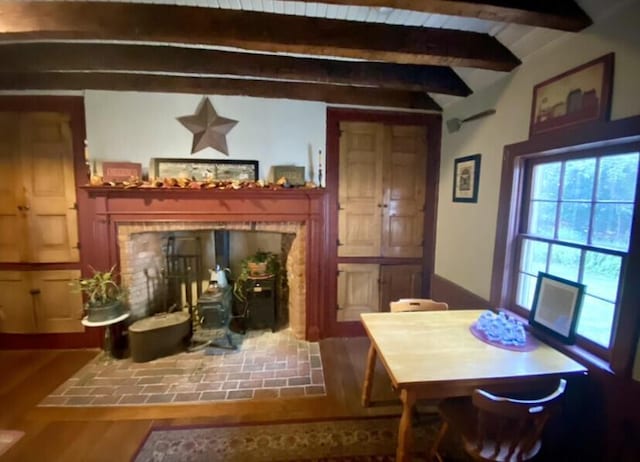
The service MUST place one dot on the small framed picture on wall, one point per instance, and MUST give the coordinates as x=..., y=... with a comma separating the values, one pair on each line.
x=466, y=178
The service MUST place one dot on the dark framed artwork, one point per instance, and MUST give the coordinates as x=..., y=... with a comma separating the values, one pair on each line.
x=580, y=95
x=466, y=178
x=204, y=169
x=294, y=175
x=556, y=306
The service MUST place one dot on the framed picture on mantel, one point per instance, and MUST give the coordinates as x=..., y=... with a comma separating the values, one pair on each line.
x=204, y=169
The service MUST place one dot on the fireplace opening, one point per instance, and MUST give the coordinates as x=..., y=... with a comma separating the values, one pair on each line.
x=149, y=252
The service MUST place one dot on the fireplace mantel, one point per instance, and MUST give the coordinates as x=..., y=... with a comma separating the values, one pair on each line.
x=103, y=209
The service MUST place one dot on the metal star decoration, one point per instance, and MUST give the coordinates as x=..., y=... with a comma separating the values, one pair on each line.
x=208, y=128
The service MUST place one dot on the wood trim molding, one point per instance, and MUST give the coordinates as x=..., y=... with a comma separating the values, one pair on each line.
x=91, y=338
x=444, y=290
x=110, y=207
x=597, y=135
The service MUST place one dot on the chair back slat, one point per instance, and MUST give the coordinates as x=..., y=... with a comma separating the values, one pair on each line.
x=416, y=304
x=510, y=429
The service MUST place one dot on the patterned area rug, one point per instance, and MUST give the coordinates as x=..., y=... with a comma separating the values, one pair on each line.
x=8, y=438
x=361, y=440
x=265, y=365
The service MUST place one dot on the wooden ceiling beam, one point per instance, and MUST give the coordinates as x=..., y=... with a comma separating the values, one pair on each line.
x=334, y=94
x=44, y=57
x=251, y=31
x=556, y=14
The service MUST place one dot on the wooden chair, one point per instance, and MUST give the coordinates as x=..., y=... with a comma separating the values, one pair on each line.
x=416, y=304
x=495, y=428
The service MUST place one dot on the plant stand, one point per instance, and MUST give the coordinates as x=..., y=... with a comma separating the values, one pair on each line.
x=109, y=332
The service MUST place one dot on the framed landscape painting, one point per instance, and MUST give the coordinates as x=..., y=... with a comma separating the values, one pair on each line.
x=202, y=169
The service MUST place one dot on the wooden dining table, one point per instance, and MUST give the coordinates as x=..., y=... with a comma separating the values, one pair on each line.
x=434, y=355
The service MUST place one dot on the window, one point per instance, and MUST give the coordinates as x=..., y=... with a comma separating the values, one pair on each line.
x=575, y=223
x=569, y=204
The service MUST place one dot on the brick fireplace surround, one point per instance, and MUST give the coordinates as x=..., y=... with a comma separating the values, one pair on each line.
x=110, y=215
x=141, y=254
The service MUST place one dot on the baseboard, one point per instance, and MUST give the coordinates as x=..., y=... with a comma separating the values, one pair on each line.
x=90, y=339
x=456, y=296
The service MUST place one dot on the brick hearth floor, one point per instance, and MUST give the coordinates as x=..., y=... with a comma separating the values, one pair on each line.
x=266, y=365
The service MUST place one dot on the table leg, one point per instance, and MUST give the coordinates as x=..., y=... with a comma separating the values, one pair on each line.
x=405, y=434
x=368, y=376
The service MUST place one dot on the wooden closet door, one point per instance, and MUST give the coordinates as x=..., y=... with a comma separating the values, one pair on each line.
x=404, y=184
x=360, y=189
x=13, y=217
x=48, y=178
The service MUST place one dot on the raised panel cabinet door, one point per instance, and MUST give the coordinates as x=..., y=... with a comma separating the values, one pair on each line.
x=358, y=290
x=360, y=189
x=58, y=308
x=48, y=175
x=13, y=216
x=399, y=281
x=404, y=183
x=17, y=315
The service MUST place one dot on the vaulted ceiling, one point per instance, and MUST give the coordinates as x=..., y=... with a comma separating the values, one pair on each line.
x=419, y=54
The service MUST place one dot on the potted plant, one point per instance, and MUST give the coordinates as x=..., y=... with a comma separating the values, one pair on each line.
x=105, y=298
x=259, y=265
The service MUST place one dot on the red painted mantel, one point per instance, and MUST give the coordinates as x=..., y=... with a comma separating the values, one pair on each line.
x=102, y=209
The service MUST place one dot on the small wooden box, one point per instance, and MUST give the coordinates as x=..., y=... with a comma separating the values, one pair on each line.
x=121, y=171
x=294, y=175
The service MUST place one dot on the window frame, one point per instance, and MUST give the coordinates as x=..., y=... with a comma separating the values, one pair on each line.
x=595, y=139
x=521, y=234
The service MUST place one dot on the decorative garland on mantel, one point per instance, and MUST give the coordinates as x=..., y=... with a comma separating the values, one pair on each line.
x=186, y=183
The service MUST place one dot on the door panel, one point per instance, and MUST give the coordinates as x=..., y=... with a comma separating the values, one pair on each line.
x=360, y=189
x=58, y=309
x=12, y=219
x=399, y=281
x=357, y=290
x=404, y=190
x=47, y=155
x=17, y=314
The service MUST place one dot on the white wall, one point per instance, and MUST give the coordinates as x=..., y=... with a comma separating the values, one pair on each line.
x=134, y=127
x=466, y=232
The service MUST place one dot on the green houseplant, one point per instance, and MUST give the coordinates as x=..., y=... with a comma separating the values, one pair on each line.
x=105, y=298
x=261, y=264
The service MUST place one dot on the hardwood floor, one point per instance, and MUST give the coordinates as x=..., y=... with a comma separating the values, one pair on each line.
x=114, y=433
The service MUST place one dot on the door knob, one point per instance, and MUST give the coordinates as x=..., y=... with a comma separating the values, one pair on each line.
x=23, y=208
